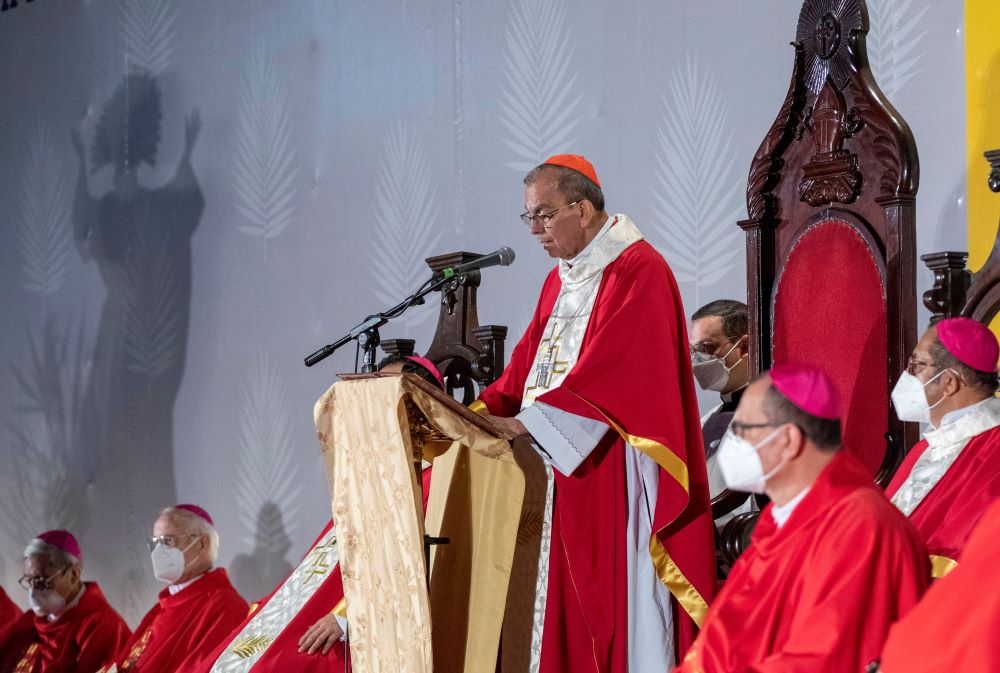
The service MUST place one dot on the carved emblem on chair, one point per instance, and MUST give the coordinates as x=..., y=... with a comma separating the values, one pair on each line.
x=832, y=176
x=824, y=31
x=827, y=36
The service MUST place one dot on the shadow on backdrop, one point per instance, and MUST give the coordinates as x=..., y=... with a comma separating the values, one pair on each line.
x=140, y=240
x=255, y=575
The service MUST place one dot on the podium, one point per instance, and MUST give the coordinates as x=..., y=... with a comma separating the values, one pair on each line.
x=487, y=496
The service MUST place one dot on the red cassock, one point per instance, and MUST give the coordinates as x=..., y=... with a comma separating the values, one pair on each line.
x=955, y=625
x=184, y=626
x=948, y=513
x=82, y=640
x=9, y=612
x=818, y=594
x=633, y=372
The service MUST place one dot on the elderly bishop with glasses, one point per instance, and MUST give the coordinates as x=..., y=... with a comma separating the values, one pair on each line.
x=602, y=381
x=70, y=628
x=199, y=606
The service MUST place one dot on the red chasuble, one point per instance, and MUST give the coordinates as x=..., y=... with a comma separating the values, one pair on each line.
x=82, y=640
x=184, y=626
x=948, y=513
x=955, y=626
x=9, y=612
x=633, y=373
x=818, y=594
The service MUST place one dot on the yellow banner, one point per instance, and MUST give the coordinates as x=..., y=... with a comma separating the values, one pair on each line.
x=982, y=104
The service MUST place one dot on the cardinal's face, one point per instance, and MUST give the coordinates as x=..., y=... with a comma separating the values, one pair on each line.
x=564, y=235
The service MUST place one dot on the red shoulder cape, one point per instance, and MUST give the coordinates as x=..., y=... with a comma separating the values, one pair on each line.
x=818, y=594
x=954, y=627
x=82, y=640
x=946, y=516
x=184, y=626
x=9, y=612
x=634, y=373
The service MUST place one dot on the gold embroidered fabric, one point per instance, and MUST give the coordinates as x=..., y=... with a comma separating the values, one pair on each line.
x=373, y=432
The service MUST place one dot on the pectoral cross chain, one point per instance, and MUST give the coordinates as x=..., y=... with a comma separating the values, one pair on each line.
x=550, y=363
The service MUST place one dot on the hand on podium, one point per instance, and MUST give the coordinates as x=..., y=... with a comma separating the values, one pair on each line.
x=511, y=426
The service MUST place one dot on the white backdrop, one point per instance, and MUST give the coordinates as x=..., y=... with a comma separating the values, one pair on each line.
x=156, y=356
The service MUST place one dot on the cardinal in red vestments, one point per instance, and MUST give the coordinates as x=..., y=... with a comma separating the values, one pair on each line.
x=949, y=478
x=300, y=627
x=9, y=612
x=71, y=628
x=831, y=564
x=198, y=608
x=955, y=625
x=602, y=381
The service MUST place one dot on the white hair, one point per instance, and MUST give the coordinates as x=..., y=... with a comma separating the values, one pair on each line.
x=195, y=525
x=57, y=558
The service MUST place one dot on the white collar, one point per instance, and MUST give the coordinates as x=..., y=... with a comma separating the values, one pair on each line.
x=616, y=234
x=177, y=588
x=72, y=604
x=953, y=416
x=780, y=513
x=969, y=422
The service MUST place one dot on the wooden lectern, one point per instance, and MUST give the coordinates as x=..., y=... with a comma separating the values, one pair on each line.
x=375, y=430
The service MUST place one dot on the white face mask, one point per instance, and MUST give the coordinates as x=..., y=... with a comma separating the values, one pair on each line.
x=46, y=602
x=711, y=371
x=740, y=463
x=910, y=398
x=168, y=562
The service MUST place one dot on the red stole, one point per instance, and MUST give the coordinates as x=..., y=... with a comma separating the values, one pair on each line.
x=82, y=640
x=954, y=627
x=634, y=373
x=184, y=626
x=948, y=513
x=818, y=594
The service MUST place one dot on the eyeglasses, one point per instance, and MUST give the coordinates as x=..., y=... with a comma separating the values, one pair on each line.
x=166, y=540
x=709, y=347
x=915, y=366
x=738, y=428
x=543, y=218
x=39, y=583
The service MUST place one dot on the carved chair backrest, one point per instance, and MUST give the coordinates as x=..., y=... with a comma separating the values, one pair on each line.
x=831, y=250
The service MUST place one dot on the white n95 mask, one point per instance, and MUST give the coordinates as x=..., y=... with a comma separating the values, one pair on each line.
x=168, y=562
x=710, y=371
x=910, y=398
x=46, y=602
x=739, y=461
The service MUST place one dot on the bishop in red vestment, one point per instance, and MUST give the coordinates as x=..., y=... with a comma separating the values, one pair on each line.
x=71, y=627
x=955, y=625
x=198, y=609
x=602, y=381
x=949, y=478
x=831, y=565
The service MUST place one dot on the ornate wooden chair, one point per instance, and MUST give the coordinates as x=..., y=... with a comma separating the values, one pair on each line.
x=831, y=243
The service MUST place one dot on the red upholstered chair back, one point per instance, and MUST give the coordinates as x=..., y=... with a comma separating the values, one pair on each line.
x=831, y=254
x=829, y=309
